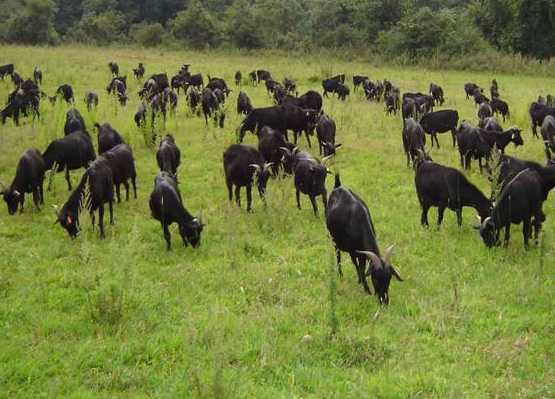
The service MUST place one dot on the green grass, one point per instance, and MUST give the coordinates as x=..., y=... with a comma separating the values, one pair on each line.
x=257, y=310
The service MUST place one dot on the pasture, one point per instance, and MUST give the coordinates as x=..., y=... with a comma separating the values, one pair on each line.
x=258, y=309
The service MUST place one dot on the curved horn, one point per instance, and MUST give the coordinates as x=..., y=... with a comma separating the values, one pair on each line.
x=326, y=159
x=396, y=274
x=256, y=167
x=375, y=259
x=285, y=150
x=387, y=254
x=268, y=165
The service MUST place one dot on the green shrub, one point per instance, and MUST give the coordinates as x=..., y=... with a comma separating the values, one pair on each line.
x=148, y=35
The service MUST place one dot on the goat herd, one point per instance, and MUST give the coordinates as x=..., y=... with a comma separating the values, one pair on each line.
x=522, y=186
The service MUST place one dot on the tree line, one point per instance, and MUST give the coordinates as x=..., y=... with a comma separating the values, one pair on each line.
x=411, y=28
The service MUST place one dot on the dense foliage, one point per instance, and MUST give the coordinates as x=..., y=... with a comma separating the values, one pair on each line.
x=397, y=27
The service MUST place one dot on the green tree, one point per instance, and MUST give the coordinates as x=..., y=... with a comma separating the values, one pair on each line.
x=537, y=23
x=196, y=27
x=148, y=35
x=34, y=24
x=100, y=29
x=241, y=26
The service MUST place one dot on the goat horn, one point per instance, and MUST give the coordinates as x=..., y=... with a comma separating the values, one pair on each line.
x=326, y=159
x=388, y=252
x=256, y=167
x=375, y=259
x=268, y=165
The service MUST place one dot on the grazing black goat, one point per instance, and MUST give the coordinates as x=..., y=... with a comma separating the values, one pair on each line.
x=358, y=80
x=484, y=111
x=166, y=206
x=443, y=187
x=168, y=155
x=244, y=105
x=37, y=75
x=238, y=78
x=520, y=201
x=310, y=178
x=500, y=107
x=492, y=125
x=71, y=152
x=194, y=99
x=91, y=100
x=270, y=144
x=139, y=72
x=140, y=115
x=122, y=163
x=114, y=68
x=66, y=91
x=548, y=134
x=538, y=111
x=29, y=178
x=350, y=225
x=241, y=164
x=471, y=145
x=510, y=166
x=440, y=122
x=501, y=139
x=437, y=94
x=325, y=132
x=414, y=140
x=95, y=189
x=211, y=107
x=74, y=122
x=108, y=137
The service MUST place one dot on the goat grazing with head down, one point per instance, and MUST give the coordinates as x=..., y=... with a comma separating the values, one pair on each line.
x=350, y=225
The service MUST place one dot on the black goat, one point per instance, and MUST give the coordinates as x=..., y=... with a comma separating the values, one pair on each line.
x=91, y=100
x=95, y=189
x=166, y=206
x=108, y=137
x=444, y=187
x=244, y=105
x=139, y=72
x=471, y=145
x=66, y=91
x=548, y=134
x=520, y=201
x=238, y=78
x=29, y=178
x=71, y=152
x=538, y=111
x=310, y=178
x=414, y=140
x=352, y=230
x=437, y=93
x=140, y=115
x=325, y=132
x=440, y=122
x=37, y=75
x=500, y=107
x=122, y=163
x=114, y=68
x=270, y=144
x=241, y=164
x=74, y=122
x=168, y=155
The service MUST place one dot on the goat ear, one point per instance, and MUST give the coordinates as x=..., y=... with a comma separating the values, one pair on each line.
x=396, y=274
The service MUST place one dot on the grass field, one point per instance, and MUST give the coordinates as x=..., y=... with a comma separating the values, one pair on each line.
x=258, y=310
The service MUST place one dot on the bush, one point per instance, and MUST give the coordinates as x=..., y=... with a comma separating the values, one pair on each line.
x=148, y=35
x=100, y=29
x=195, y=27
x=33, y=24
